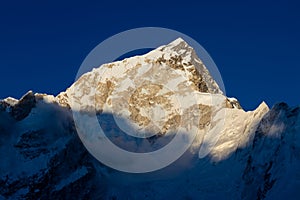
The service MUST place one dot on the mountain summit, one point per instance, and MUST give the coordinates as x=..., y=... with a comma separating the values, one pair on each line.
x=142, y=103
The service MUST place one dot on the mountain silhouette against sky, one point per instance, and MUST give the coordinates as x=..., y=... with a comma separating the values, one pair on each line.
x=50, y=148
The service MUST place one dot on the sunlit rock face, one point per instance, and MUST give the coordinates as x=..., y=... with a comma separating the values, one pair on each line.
x=141, y=103
x=161, y=92
x=153, y=91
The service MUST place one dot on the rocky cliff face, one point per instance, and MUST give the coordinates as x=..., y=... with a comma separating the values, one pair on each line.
x=256, y=154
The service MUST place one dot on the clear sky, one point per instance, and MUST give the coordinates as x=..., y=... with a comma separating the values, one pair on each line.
x=255, y=44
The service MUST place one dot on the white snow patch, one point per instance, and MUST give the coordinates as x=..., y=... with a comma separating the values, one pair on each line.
x=11, y=101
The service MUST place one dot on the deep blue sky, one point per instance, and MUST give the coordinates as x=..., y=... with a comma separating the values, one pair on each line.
x=255, y=44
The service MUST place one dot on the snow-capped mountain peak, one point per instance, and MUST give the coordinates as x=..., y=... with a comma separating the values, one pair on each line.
x=236, y=154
